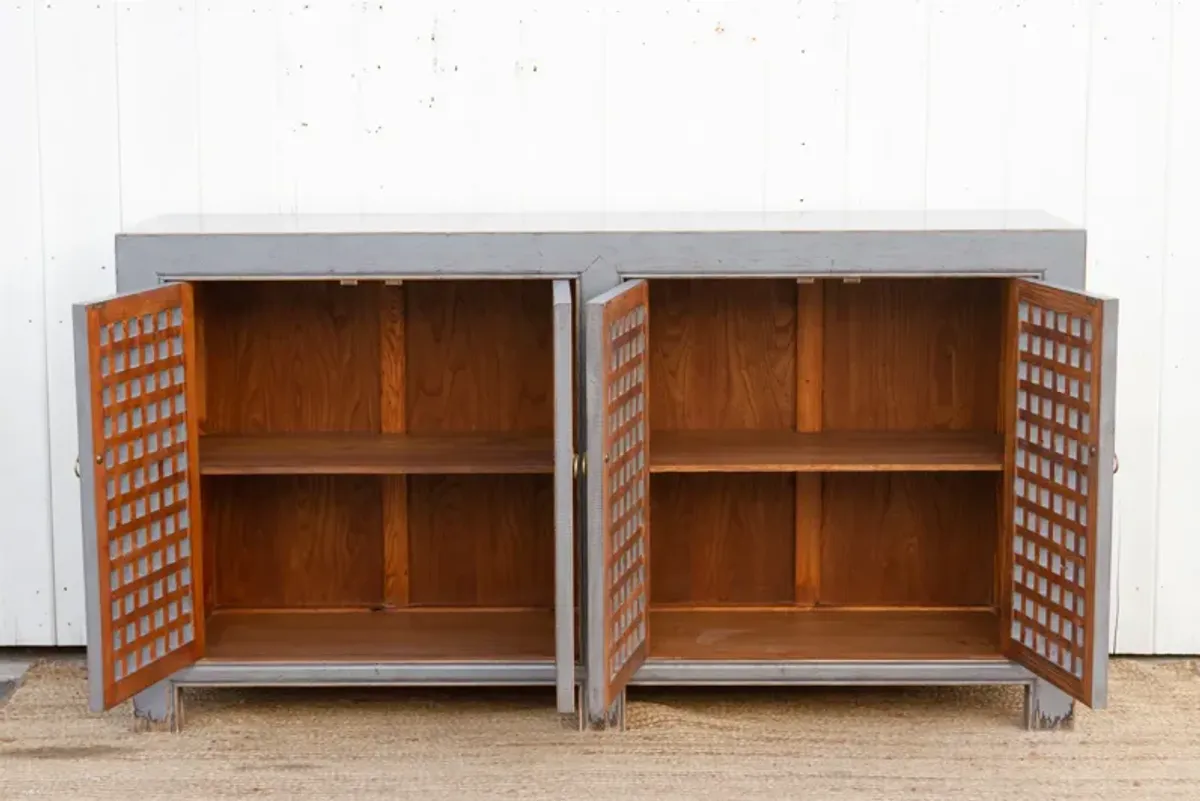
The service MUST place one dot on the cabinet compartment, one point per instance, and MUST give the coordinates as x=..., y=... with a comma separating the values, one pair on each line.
x=377, y=464
x=825, y=463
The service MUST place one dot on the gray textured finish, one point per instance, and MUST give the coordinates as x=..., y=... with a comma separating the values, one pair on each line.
x=802, y=243
x=334, y=674
x=87, y=494
x=564, y=500
x=1047, y=708
x=157, y=708
x=819, y=672
x=1102, y=553
x=596, y=589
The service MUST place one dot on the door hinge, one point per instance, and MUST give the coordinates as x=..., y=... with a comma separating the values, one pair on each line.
x=78, y=471
x=578, y=465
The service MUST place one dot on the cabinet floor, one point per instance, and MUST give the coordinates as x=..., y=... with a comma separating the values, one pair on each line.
x=386, y=636
x=824, y=633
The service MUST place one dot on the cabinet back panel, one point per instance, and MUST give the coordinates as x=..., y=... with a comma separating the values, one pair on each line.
x=926, y=539
x=722, y=538
x=913, y=353
x=290, y=356
x=723, y=354
x=481, y=540
x=480, y=356
x=294, y=541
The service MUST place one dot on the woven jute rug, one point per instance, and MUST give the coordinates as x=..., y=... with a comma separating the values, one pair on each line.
x=824, y=744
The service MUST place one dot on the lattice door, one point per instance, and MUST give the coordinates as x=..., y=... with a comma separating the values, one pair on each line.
x=618, y=480
x=148, y=609
x=1058, y=467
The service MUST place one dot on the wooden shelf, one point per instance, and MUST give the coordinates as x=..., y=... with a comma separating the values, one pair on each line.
x=366, y=636
x=824, y=633
x=829, y=451
x=376, y=454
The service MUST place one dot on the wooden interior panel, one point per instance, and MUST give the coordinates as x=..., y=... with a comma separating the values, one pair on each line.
x=412, y=634
x=907, y=354
x=393, y=420
x=481, y=540
x=909, y=539
x=295, y=541
x=723, y=354
x=722, y=538
x=821, y=633
x=291, y=356
x=480, y=356
x=810, y=396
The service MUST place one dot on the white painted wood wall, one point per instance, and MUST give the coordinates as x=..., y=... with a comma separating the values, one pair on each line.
x=113, y=112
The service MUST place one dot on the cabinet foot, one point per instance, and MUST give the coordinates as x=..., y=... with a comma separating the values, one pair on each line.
x=1048, y=708
x=158, y=708
x=612, y=719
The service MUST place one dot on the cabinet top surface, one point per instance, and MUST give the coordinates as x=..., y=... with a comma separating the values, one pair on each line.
x=602, y=222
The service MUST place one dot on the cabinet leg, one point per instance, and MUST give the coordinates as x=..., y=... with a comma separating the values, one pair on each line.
x=612, y=718
x=158, y=708
x=1048, y=708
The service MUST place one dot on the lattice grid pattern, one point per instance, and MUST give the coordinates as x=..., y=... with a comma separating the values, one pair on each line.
x=626, y=477
x=1054, y=473
x=141, y=442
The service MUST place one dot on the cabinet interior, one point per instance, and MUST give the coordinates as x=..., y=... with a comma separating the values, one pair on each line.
x=376, y=466
x=826, y=466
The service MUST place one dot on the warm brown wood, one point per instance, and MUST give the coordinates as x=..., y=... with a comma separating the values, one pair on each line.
x=296, y=541
x=723, y=538
x=1051, y=476
x=481, y=540
x=399, y=635
x=480, y=357
x=824, y=633
x=909, y=539
x=810, y=359
x=826, y=451
x=376, y=454
x=285, y=357
x=150, y=525
x=393, y=420
x=913, y=354
x=624, y=376
x=723, y=354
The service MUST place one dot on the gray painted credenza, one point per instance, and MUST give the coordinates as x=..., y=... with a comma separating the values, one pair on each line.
x=873, y=448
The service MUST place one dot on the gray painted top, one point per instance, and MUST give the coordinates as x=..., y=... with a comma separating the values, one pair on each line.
x=624, y=245
x=602, y=222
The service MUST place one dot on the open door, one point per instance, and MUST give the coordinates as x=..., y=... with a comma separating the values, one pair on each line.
x=564, y=498
x=1058, y=486
x=618, y=493
x=138, y=393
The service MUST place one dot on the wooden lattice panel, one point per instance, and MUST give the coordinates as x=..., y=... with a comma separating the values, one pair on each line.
x=146, y=484
x=626, y=482
x=1053, y=475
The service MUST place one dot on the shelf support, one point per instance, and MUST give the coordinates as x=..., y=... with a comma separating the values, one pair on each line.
x=810, y=347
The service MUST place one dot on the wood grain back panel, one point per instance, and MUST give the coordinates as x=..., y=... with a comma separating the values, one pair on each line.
x=912, y=353
x=481, y=541
x=723, y=354
x=480, y=356
x=1052, y=474
x=723, y=538
x=296, y=541
x=291, y=356
x=142, y=369
x=915, y=539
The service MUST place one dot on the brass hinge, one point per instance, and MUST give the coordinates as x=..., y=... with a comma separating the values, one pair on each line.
x=578, y=465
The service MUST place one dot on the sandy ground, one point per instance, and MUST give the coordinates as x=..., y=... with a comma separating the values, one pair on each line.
x=797, y=744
